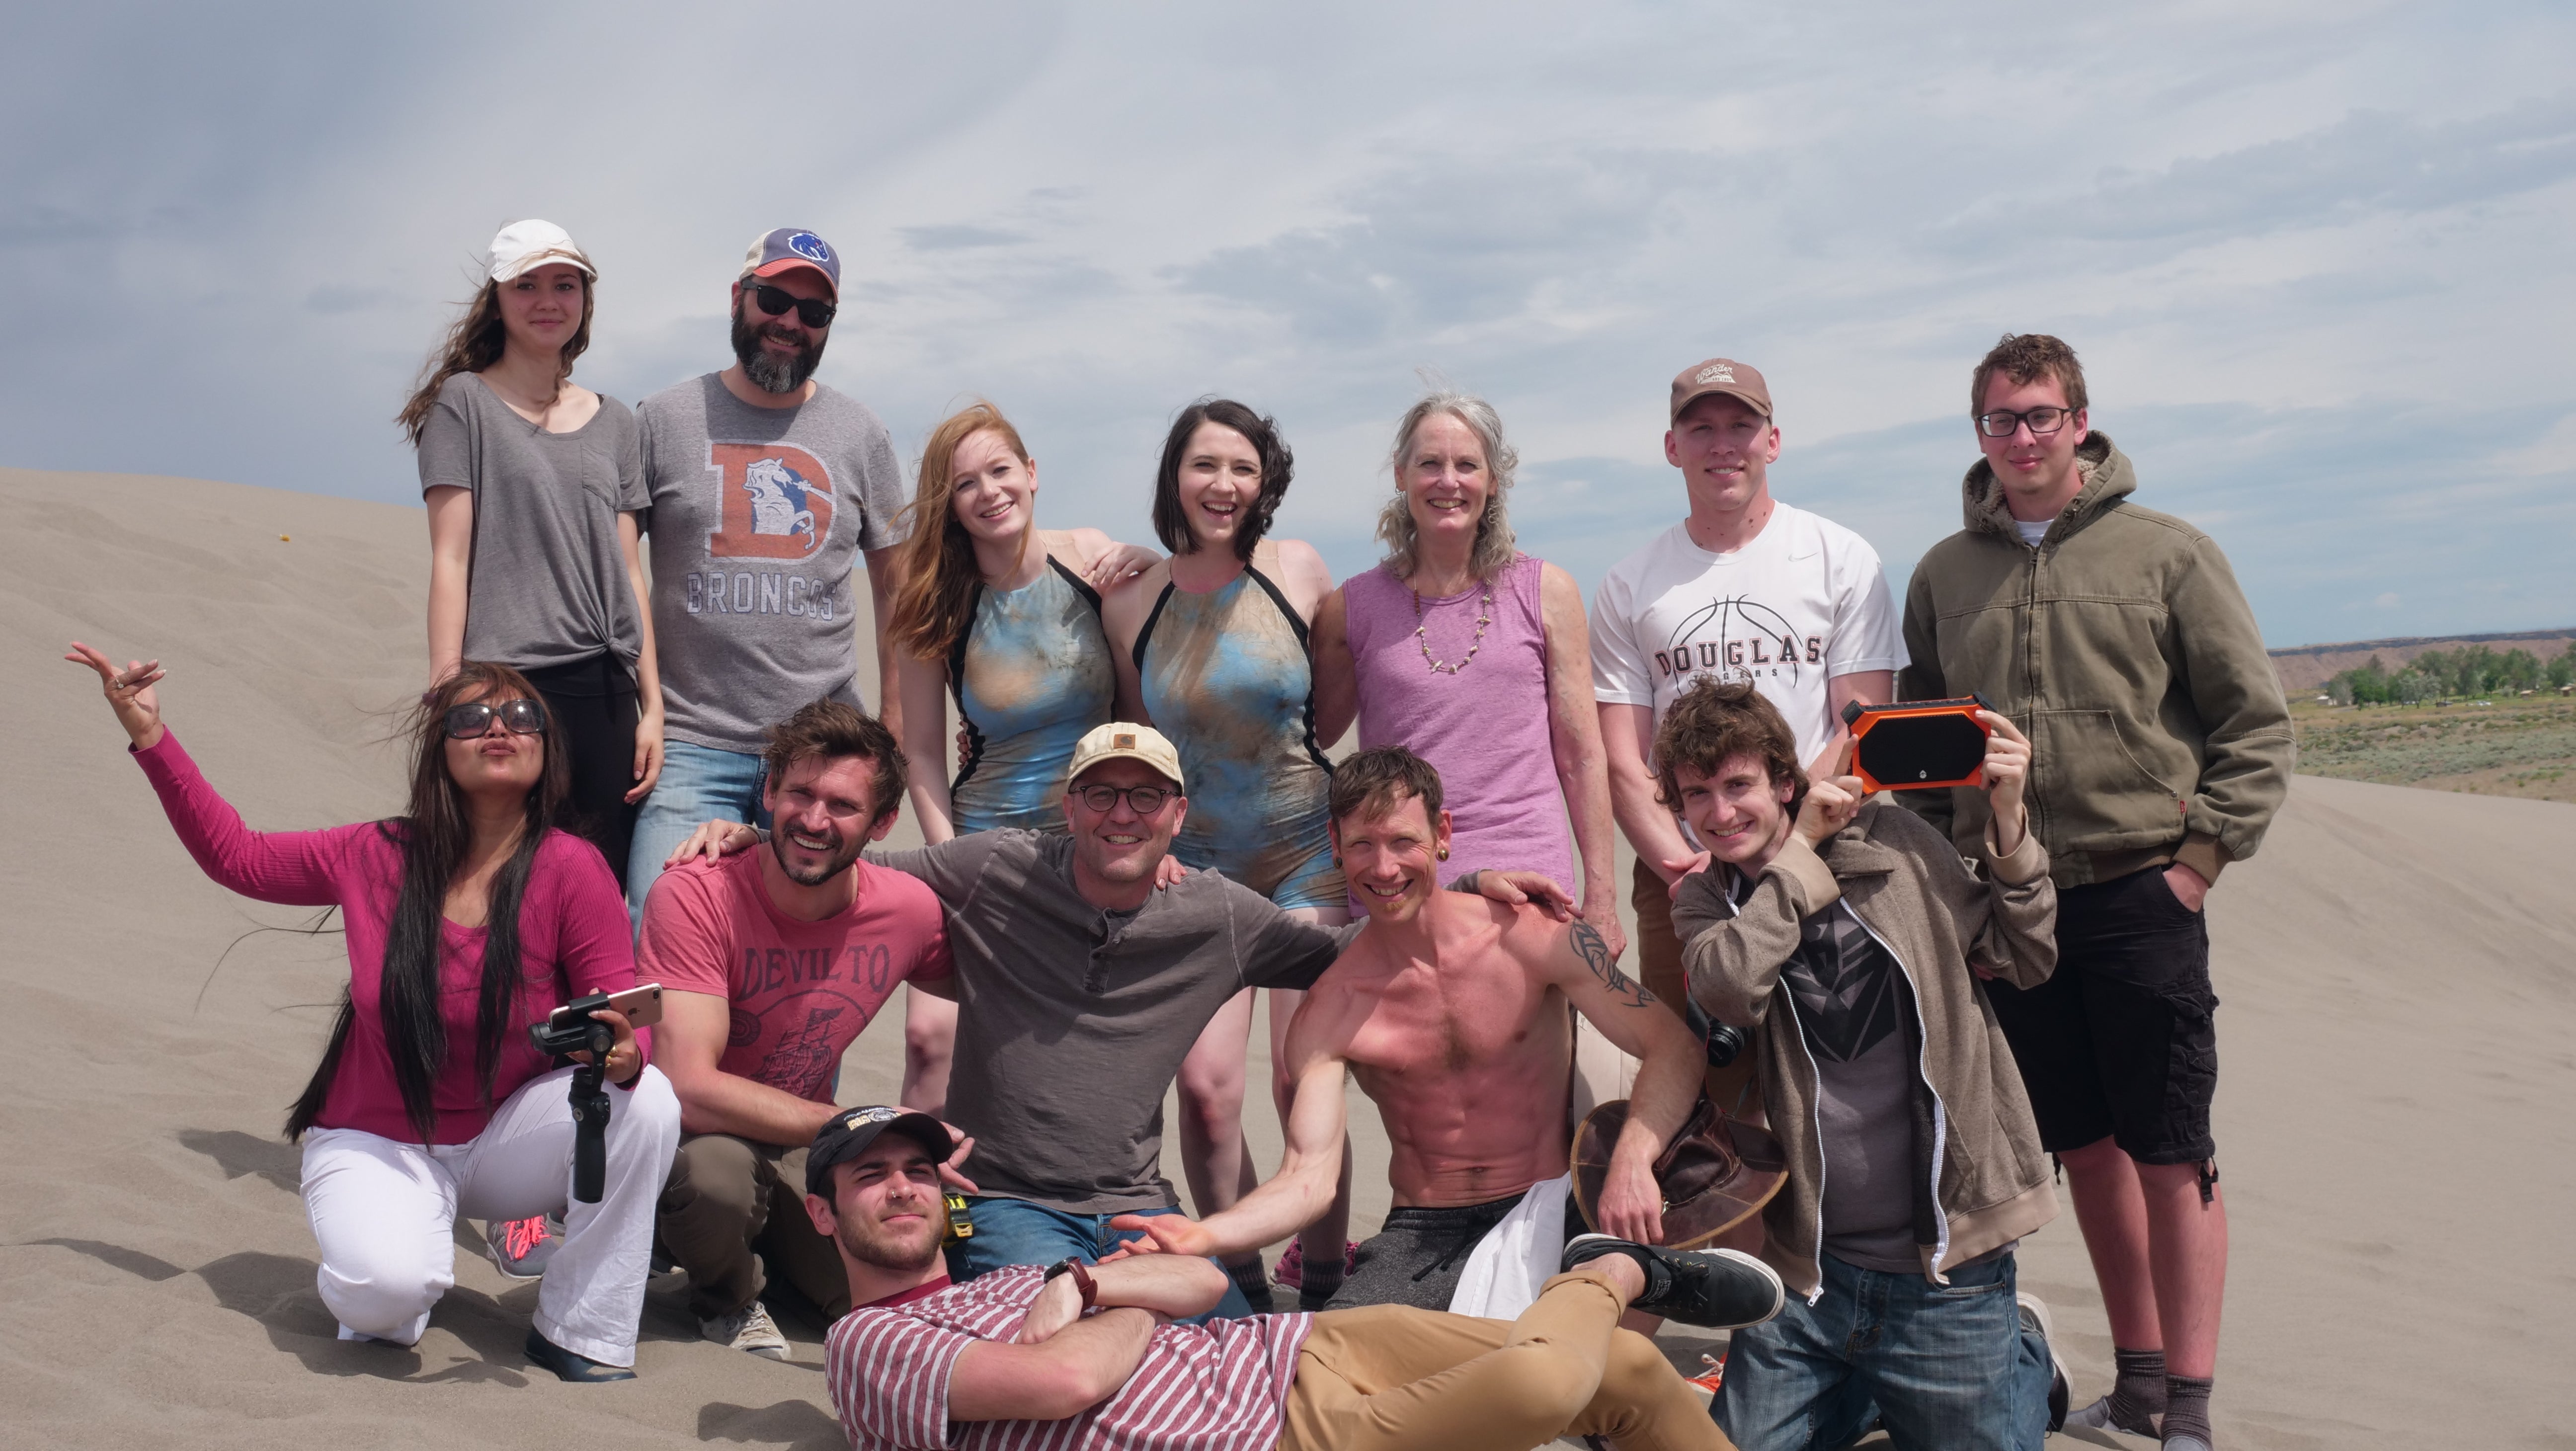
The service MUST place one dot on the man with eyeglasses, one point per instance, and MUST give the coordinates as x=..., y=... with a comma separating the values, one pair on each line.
x=767, y=488
x=2117, y=639
x=1082, y=979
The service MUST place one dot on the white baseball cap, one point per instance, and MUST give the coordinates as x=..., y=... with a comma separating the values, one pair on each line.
x=532, y=243
x=1125, y=741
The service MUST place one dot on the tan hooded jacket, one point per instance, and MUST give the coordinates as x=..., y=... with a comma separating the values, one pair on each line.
x=2122, y=646
x=1982, y=1179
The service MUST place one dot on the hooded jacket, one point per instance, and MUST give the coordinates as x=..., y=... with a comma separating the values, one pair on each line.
x=1981, y=1178
x=2122, y=646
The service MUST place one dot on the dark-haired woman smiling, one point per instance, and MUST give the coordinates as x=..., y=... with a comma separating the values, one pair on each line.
x=468, y=917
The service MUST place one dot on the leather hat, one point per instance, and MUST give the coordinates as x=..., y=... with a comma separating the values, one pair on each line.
x=1716, y=1173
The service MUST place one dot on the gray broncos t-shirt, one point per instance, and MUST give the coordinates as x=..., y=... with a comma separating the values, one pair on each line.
x=548, y=581
x=758, y=517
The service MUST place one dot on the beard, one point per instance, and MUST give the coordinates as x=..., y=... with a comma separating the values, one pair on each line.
x=887, y=1249
x=838, y=862
x=767, y=371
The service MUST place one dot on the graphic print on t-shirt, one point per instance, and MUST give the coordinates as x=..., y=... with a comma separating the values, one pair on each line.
x=1845, y=985
x=777, y=501
x=1738, y=638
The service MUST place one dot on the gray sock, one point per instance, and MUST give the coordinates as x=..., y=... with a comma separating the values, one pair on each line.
x=1253, y=1281
x=2187, y=1412
x=2138, y=1396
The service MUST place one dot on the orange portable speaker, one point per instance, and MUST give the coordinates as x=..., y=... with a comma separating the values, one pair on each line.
x=1918, y=744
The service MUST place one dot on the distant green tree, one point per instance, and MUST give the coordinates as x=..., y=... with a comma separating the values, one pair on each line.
x=2412, y=686
x=2562, y=671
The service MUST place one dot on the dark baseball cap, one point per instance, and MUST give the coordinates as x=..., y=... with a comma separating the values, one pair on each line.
x=789, y=248
x=1721, y=375
x=848, y=1135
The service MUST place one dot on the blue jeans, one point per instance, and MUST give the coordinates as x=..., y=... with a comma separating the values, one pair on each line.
x=698, y=785
x=1948, y=1366
x=1016, y=1232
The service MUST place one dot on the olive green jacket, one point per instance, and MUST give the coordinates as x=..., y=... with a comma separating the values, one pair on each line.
x=1981, y=1179
x=2122, y=646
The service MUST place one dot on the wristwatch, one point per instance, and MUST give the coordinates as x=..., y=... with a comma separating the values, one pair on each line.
x=1082, y=1280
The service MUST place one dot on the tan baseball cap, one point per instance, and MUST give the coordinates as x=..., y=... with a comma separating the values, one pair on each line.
x=1721, y=375
x=1125, y=741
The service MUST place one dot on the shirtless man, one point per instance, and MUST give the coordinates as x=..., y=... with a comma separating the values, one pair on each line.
x=1451, y=1010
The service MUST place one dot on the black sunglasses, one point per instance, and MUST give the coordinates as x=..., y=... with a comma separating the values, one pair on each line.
x=521, y=717
x=814, y=312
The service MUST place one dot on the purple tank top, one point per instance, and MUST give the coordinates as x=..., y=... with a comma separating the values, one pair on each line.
x=1483, y=728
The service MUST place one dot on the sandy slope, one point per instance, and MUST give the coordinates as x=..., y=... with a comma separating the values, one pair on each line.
x=2396, y=968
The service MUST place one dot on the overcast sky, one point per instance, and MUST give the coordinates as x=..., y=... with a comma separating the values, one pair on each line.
x=2316, y=257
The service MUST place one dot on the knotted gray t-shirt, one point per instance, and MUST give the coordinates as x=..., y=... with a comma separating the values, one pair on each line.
x=548, y=582
x=758, y=517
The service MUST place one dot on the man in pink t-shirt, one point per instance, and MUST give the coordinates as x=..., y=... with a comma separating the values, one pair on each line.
x=771, y=962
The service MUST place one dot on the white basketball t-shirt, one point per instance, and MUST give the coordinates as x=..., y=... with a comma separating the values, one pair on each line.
x=1804, y=602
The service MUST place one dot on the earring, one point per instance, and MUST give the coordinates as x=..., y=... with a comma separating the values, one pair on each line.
x=1444, y=853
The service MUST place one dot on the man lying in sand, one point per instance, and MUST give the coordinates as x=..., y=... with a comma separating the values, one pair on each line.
x=771, y=963
x=1451, y=1010
x=1081, y=984
x=1078, y=1355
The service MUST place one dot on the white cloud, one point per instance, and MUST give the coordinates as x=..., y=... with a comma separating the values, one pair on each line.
x=2317, y=272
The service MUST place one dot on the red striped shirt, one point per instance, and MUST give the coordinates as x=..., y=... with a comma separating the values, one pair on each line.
x=1222, y=1386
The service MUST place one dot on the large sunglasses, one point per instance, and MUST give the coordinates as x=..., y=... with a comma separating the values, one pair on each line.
x=814, y=312
x=522, y=717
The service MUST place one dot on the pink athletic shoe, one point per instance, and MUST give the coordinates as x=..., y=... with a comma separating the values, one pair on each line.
x=521, y=1247
x=1291, y=1271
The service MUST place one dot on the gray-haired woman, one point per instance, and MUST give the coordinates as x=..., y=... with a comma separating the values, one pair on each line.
x=1475, y=657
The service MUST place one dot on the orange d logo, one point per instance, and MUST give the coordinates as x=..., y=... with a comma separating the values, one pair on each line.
x=774, y=506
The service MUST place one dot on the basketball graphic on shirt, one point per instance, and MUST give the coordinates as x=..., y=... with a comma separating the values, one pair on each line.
x=777, y=501
x=1737, y=638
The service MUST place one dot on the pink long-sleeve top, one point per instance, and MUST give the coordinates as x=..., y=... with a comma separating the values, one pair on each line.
x=572, y=940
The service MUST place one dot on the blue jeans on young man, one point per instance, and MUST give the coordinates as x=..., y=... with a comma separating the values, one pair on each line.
x=698, y=784
x=1948, y=1367
x=1016, y=1232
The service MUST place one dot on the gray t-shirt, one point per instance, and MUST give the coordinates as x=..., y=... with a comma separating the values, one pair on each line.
x=758, y=517
x=1072, y=1020
x=1851, y=1001
x=548, y=582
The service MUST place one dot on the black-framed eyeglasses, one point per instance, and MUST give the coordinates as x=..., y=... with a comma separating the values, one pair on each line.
x=1143, y=800
x=814, y=312
x=521, y=717
x=2042, y=421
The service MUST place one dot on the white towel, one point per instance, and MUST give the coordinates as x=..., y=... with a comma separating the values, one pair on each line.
x=1517, y=1256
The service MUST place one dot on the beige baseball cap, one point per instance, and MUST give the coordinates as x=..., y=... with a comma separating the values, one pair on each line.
x=1123, y=740
x=1721, y=375
x=529, y=244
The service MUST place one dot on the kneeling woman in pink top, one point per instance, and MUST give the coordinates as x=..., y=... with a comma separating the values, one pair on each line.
x=468, y=918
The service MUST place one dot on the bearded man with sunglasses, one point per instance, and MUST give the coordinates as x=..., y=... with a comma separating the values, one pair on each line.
x=2117, y=639
x=766, y=489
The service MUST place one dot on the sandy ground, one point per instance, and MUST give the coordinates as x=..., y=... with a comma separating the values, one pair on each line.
x=2396, y=968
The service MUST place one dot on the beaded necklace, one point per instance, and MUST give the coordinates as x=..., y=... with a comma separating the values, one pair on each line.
x=1484, y=617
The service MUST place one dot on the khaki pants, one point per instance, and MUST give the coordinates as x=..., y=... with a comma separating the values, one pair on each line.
x=728, y=1196
x=1393, y=1378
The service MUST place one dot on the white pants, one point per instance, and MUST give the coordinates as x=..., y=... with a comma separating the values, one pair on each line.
x=383, y=1212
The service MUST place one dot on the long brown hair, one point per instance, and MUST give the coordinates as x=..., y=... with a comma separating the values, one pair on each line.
x=938, y=556
x=475, y=343
x=433, y=833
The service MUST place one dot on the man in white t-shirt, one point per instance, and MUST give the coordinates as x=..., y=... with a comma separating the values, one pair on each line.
x=1743, y=588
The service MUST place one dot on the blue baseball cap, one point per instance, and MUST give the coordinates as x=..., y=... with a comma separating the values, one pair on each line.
x=792, y=247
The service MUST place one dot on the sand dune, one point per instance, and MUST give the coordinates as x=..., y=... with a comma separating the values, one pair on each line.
x=2398, y=969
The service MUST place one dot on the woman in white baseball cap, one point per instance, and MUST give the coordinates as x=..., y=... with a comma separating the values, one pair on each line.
x=534, y=487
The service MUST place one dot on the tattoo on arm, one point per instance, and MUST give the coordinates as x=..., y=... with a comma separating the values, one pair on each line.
x=1596, y=955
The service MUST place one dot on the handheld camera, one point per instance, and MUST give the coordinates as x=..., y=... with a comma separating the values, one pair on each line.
x=571, y=1029
x=1918, y=744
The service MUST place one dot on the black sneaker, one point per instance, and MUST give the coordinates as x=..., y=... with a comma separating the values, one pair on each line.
x=570, y=1365
x=1717, y=1289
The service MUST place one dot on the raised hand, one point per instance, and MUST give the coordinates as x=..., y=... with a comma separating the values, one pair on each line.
x=713, y=840
x=2007, y=772
x=1834, y=796
x=129, y=693
x=1119, y=562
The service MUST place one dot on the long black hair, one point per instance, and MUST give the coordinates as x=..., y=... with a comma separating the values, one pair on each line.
x=1278, y=465
x=433, y=835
